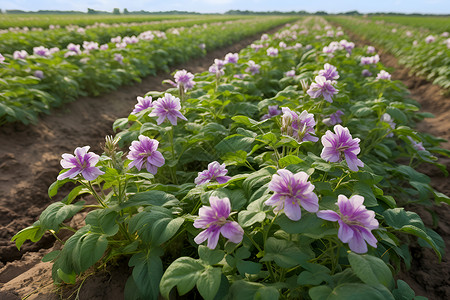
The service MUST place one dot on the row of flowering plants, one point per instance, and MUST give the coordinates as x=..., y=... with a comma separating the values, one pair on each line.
x=273, y=175
x=424, y=52
x=33, y=83
x=56, y=36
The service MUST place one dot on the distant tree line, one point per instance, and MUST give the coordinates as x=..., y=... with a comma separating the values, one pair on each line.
x=116, y=11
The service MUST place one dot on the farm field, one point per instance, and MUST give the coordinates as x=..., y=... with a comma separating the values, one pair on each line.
x=248, y=120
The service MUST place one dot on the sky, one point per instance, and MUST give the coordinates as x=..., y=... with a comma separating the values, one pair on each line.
x=221, y=6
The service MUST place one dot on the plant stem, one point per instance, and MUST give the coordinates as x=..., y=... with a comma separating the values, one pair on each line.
x=173, y=169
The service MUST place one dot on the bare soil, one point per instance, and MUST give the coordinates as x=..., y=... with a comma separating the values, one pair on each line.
x=29, y=163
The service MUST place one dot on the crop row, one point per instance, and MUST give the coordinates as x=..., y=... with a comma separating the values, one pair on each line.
x=434, y=24
x=46, y=21
x=61, y=37
x=273, y=175
x=35, y=83
x=424, y=53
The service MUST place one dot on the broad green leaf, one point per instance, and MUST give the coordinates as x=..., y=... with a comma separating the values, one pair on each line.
x=209, y=256
x=147, y=273
x=104, y=220
x=182, y=273
x=87, y=249
x=248, y=267
x=234, y=143
x=399, y=217
x=208, y=282
x=284, y=253
x=33, y=233
x=244, y=290
x=314, y=275
x=371, y=270
x=152, y=197
x=53, y=216
x=309, y=224
x=350, y=291
x=289, y=160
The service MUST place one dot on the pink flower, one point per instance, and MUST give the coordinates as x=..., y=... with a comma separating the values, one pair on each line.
x=143, y=103
x=214, y=220
x=340, y=145
x=291, y=191
x=355, y=222
x=144, y=153
x=167, y=107
x=383, y=75
x=231, y=58
x=322, y=87
x=215, y=171
x=184, y=79
x=83, y=162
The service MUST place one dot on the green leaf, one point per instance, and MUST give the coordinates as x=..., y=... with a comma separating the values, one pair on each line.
x=234, y=143
x=244, y=290
x=309, y=224
x=399, y=217
x=403, y=291
x=147, y=273
x=208, y=282
x=33, y=233
x=53, y=188
x=289, y=160
x=284, y=253
x=209, y=256
x=88, y=248
x=152, y=197
x=104, y=220
x=350, y=291
x=67, y=278
x=155, y=225
x=371, y=270
x=314, y=275
x=247, y=218
x=53, y=216
x=51, y=256
x=182, y=273
x=365, y=190
x=248, y=267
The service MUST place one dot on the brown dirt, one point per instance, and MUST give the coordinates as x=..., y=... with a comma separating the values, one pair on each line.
x=29, y=163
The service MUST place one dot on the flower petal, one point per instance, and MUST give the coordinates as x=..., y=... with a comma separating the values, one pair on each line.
x=292, y=209
x=232, y=231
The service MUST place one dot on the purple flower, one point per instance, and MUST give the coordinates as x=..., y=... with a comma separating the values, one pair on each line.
x=272, y=52
x=214, y=219
x=291, y=191
x=430, y=39
x=329, y=72
x=383, y=75
x=355, y=222
x=231, y=58
x=253, y=68
x=144, y=153
x=116, y=39
x=273, y=111
x=300, y=127
x=256, y=47
x=22, y=54
x=74, y=48
x=388, y=119
x=290, y=73
x=334, y=118
x=2, y=59
x=104, y=47
x=417, y=145
x=366, y=73
x=215, y=171
x=340, y=145
x=215, y=69
x=184, y=79
x=143, y=103
x=167, y=107
x=264, y=37
x=41, y=51
x=282, y=45
x=370, y=60
x=370, y=49
x=202, y=46
x=322, y=87
x=39, y=74
x=348, y=46
x=83, y=162
x=118, y=57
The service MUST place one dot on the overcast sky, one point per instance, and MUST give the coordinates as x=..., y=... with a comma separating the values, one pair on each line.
x=220, y=6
